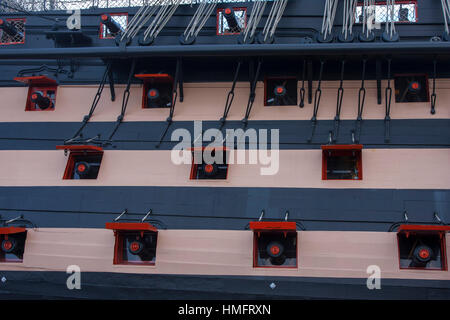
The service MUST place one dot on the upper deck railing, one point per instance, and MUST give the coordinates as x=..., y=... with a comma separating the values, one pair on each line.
x=49, y=5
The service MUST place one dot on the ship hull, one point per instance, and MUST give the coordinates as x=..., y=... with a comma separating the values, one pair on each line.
x=104, y=285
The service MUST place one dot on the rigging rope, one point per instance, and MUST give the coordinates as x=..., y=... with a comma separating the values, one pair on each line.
x=139, y=20
x=125, y=97
x=446, y=13
x=389, y=32
x=348, y=19
x=388, y=98
x=302, y=89
x=162, y=17
x=340, y=96
x=317, y=97
x=275, y=14
x=94, y=103
x=368, y=16
x=230, y=96
x=255, y=16
x=433, y=95
x=329, y=13
x=361, y=101
x=201, y=15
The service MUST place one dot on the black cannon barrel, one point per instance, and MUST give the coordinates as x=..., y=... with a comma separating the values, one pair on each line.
x=230, y=16
x=112, y=25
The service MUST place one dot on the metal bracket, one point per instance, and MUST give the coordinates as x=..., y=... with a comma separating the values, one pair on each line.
x=120, y=215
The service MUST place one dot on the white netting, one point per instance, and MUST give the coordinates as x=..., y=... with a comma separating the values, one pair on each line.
x=222, y=24
x=403, y=12
x=19, y=25
x=45, y=5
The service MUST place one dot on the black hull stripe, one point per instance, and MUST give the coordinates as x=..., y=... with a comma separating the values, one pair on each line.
x=101, y=285
x=224, y=208
x=413, y=133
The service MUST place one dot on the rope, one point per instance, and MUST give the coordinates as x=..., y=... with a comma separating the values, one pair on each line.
x=390, y=25
x=446, y=13
x=367, y=12
x=94, y=103
x=252, y=95
x=433, y=95
x=201, y=15
x=126, y=95
x=302, y=89
x=230, y=96
x=139, y=20
x=255, y=17
x=388, y=98
x=361, y=102
x=275, y=14
x=348, y=17
x=162, y=17
x=329, y=14
x=340, y=96
x=317, y=97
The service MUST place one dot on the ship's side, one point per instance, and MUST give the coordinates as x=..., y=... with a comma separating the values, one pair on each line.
x=347, y=232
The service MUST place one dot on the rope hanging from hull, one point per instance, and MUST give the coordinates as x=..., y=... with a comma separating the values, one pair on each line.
x=348, y=18
x=340, y=96
x=302, y=89
x=317, y=97
x=198, y=20
x=230, y=96
x=125, y=97
x=388, y=99
x=252, y=95
x=97, y=97
x=390, y=34
x=329, y=13
x=361, y=102
x=433, y=95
